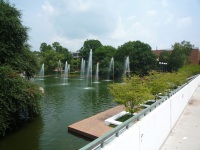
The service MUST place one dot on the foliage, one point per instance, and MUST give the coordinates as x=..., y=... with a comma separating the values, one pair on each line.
x=135, y=91
x=156, y=83
x=104, y=51
x=164, y=56
x=14, y=50
x=44, y=47
x=142, y=60
x=27, y=61
x=89, y=44
x=13, y=33
x=179, y=55
x=75, y=64
x=50, y=59
x=131, y=93
x=19, y=99
x=103, y=55
x=50, y=55
x=190, y=70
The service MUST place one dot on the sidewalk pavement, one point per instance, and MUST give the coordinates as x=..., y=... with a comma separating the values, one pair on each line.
x=186, y=133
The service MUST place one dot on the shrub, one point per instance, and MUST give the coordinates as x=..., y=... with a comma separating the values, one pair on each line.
x=19, y=99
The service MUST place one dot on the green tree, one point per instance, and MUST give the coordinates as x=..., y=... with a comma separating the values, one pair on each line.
x=75, y=64
x=60, y=49
x=179, y=55
x=50, y=59
x=142, y=60
x=44, y=47
x=157, y=84
x=50, y=55
x=19, y=98
x=14, y=50
x=89, y=44
x=131, y=94
x=103, y=55
x=12, y=33
x=164, y=56
x=28, y=62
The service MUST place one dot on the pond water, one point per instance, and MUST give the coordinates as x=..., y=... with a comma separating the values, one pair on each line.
x=61, y=106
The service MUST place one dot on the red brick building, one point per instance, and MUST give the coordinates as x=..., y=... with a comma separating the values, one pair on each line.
x=194, y=57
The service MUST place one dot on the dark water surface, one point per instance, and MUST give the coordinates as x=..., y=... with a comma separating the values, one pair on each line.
x=61, y=106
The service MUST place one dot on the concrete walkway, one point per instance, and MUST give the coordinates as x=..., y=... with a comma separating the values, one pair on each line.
x=186, y=133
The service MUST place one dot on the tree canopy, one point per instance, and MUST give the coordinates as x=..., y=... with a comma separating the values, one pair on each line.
x=19, y=98
x=89, y=44
x=137, y=90
x=142, y=60
x=14, y=49
x=179, y=55
x=51, y=54
x=165, y=56
x=103, y=55
x=132, y=93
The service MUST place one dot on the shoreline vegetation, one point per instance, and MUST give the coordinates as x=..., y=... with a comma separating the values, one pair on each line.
x=137, y=90
x=19, y=98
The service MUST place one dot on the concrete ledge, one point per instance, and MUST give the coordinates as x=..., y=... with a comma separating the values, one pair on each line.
x=112, y=120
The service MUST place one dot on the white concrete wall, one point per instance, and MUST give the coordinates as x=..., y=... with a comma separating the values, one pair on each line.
x=151, y=131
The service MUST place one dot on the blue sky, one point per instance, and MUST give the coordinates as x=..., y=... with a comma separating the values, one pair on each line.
x=160, y=23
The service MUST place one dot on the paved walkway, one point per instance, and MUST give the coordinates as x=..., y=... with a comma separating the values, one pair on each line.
x=94, y=127
x=186, y=133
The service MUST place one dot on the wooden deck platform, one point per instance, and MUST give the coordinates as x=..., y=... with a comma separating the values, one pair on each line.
x=94, y=127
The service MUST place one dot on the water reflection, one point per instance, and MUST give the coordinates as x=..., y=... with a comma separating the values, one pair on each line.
x=61, y=106
x=21, y=138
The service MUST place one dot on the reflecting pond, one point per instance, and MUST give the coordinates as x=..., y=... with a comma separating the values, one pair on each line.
x=61, y=106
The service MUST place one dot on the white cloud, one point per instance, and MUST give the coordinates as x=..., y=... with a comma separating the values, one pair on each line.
x=169, y=18
x=151, y=12
x=184, y=22
x=119, y=31
x=48, y=8
x=71, y=44
x=71, y=22
x=165, y=2
x=130, y=18
x=136, y=30
x=78, y=5
x=157, y=23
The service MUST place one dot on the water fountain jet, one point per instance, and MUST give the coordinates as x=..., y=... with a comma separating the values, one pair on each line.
x=65, y=77
x=82, y=68
x=89, y=72
x=127, y=67
x=41, y=74
x=111, y=69
x=97, y=74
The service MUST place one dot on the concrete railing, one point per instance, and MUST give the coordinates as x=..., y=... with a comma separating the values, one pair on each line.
x=149, y=132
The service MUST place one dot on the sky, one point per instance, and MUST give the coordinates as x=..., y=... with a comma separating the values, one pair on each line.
x=159, y=23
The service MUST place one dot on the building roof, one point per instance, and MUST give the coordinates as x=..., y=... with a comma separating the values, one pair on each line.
x=194, y=57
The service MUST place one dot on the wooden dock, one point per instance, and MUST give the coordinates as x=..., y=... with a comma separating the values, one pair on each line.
x=94, y=127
